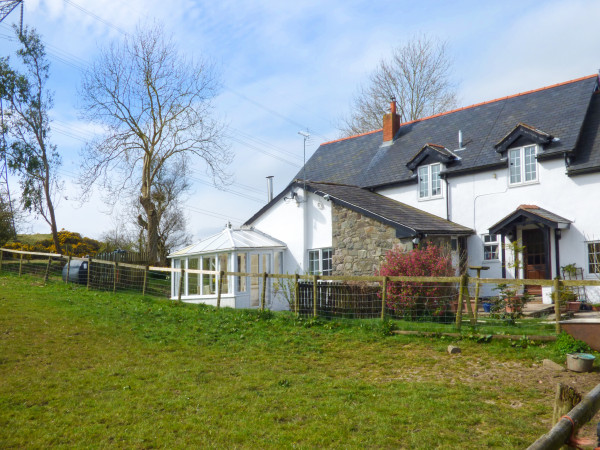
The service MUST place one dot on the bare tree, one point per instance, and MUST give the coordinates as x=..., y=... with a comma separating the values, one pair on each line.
x=156, y=107
x=170, y=188
x=417, y=76
x=30, y=153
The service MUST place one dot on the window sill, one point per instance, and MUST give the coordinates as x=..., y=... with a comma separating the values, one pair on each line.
x=427, y=199
x=526, y=183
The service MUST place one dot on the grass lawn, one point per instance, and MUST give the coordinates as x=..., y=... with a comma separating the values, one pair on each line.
x=90, y=369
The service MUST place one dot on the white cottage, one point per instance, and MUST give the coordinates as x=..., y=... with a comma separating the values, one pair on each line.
x=231, y=250
x=523, y=169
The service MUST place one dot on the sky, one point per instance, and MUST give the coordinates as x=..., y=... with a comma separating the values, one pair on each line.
x=287, y=67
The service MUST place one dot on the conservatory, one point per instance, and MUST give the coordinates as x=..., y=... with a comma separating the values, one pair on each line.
x=231, y=250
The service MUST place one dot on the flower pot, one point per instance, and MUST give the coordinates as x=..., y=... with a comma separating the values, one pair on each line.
x=580, y=362
x=573, y=306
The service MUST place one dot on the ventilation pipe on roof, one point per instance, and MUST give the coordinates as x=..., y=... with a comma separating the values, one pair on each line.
x=460, y=141
x=269, y=188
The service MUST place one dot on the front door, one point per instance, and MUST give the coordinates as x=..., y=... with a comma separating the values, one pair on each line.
x=534, y=258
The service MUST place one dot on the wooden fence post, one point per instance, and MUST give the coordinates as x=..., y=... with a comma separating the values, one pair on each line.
x=221, y=275
x=463, y=281
x=557, y=304
x=467, y=299
x=1, y=258
x=145, y=280
x=315, y=294
x=477, y=287
x=115, y=267
x=68, y=269
x=297, y=294
x=383, y=297
x=47, y=274
x=264, y=291
x=89, y=272
x=181, y=276
x=21, y=264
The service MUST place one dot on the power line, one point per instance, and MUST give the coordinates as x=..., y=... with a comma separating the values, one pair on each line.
x=95, y=16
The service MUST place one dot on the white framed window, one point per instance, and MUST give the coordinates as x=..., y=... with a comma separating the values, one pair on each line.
x=522, y=165
x=491, y=247
x=320, y=261
x=430, y=183
x=593, y=249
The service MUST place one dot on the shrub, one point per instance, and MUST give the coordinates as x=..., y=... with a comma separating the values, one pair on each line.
x=414, y=299
x=565, y=343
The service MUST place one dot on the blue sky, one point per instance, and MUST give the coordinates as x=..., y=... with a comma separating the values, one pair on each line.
x=291, y=66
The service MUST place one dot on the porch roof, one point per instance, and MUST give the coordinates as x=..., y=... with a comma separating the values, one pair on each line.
x=529, y=214
x=231, y=239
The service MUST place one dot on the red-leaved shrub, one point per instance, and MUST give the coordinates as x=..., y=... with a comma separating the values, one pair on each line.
x=411, y=298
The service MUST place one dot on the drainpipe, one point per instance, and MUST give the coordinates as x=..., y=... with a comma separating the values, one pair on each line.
x=447, y=198
x=557, y=236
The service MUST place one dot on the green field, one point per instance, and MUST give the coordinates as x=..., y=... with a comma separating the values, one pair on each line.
x=89, y=369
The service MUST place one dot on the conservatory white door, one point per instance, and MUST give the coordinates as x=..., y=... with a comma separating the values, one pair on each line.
x=259, y=263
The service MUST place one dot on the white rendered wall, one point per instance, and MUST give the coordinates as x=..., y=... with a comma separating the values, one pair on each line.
x=480, y=200
x=286, y=220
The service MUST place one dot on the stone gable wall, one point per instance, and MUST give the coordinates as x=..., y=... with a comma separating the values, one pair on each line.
x=360, y=243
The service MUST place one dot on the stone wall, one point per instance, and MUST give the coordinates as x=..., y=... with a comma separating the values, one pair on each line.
x=360, y=243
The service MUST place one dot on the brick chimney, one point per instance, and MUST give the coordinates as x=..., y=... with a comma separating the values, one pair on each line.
x=391, y=122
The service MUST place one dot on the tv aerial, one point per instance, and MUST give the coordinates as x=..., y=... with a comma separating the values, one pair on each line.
x=8, y=6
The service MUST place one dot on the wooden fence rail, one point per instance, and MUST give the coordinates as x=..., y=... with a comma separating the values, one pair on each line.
x=578, y=416
x=313, y=294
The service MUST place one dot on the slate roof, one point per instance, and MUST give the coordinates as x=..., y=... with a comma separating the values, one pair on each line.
x=558, y=110
x=407, y=220
x=230, y=239
x=587, y=157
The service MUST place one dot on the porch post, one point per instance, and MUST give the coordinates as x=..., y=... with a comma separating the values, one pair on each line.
x=503, y=252
x=557, y=251
x=548, y=258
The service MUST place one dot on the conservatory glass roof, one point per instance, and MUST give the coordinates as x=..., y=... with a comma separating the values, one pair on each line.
x=230, y=239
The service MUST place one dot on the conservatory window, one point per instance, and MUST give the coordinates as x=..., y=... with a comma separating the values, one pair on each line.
x=320, y=261
x=193, y=278
x=522, y=165
x=208, y=280
x=491, y=245
x=594, y=257
x=430, y=183
x=223, y=266
x=241, y=267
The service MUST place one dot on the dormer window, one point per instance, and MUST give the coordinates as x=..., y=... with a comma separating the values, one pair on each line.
x=430, y=183
x=522, y=165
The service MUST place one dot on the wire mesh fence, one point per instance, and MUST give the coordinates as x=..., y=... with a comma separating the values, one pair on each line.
x=409, y=301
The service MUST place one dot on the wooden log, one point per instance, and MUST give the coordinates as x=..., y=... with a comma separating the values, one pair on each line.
x=463, y=281
x=511, y=337
x=297, y=294
x=68, y=269
x=220, y=289
x=180, y=284
x=145, y=280
x=556, y=296
x=264, y=291
x=47, y=273
x=315, y=294
x=580, y=415
x=383, y=296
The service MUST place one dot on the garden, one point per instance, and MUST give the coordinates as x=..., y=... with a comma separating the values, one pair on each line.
x=84, y=368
